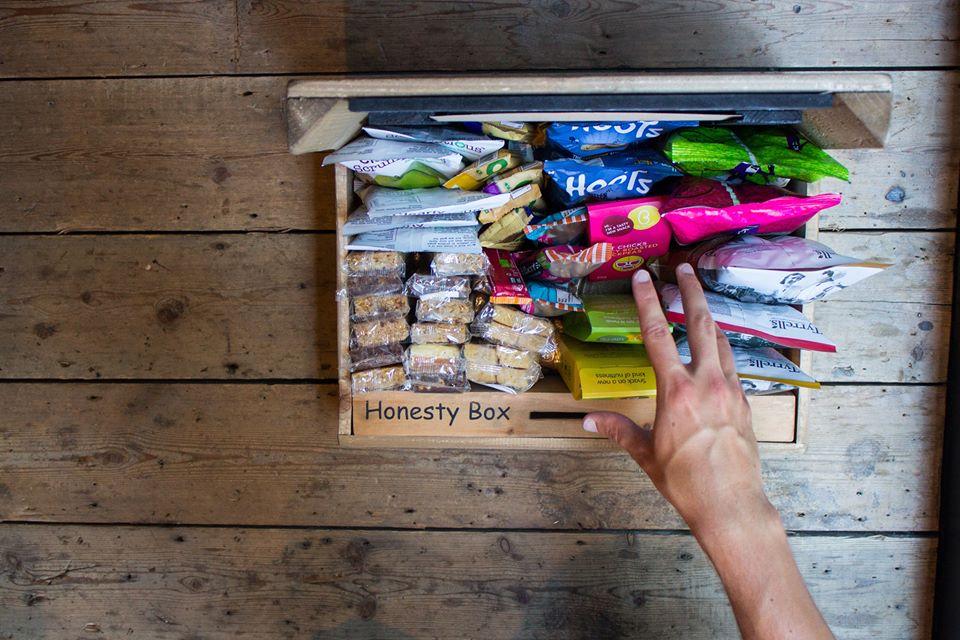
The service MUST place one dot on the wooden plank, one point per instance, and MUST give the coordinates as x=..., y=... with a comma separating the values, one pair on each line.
x=116, y=37
x=226, y=583
x=268, y=455
x=294, y=35
x=912, y=183
x=173, y=306
x=172, y=154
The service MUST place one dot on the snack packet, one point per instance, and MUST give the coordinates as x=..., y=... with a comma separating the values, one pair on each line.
x=519, y=198
x=363, y=358
x=378, y=332
x=435, y=368
x=699, y=208
x=605, y=318
x=760, y=364
x=519, y=131
x=549, y=300
x=469, y=145
x=531, y=173
x=459, y=264
x=473, y=177
x=374, y=263
x=506, y=283
x=394, y=305
x=441, y=239
x=781, y=270
x=360, y=222
x=761, y=155
x=507, y=379
x=563, y=227
x=780, y=324
x=634, y=228
x=504, y=325
x=507, y=232
x=563, y=262
x=401, y=165
x=588, y=139
x=594, y=371
x=609, y=177
x=382, y=202
x=444, y=310
x=438, y=333
x=383, y=379
x=420, y=285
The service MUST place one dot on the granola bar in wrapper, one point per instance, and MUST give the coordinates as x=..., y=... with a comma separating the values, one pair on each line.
x=421, y=285
x=363, y=358
x=444, y=310
x=383, y=379
x=438, y=333
x=507, y=232
x=459, y=264
x=473, y=177
x=519, y=199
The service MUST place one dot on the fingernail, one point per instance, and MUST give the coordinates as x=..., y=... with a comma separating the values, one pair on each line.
x=641, y=275
x=685, y=269
x=589, y=425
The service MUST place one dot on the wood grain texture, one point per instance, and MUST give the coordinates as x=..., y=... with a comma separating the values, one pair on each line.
x=59, y=582
x=202, y=306
x=912, y=183
x=268, y=455
x=167, y=154
x=183, y=307
x=116, y=37
x=497, y=35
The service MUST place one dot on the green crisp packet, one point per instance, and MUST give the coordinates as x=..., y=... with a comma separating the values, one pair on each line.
x=757, y=155
x=605, y=318
x=418, y=176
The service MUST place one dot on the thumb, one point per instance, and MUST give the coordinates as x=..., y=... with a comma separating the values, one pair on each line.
x=623, y=431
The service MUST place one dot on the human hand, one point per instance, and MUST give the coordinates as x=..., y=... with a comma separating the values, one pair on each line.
x=701, y=452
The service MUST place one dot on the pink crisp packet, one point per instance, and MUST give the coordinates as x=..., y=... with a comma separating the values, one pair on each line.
x=634, y=228
x=699, y=208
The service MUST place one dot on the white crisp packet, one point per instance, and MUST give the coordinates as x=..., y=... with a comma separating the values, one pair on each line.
x=361, y=222
x=760, y=364
x=438, y=239
x=776, y=323
x=782, y=270
x=394, y=158
x=470, y=145
x=383, y=201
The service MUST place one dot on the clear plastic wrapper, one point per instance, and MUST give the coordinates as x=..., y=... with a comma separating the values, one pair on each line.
x=390, y=305
x=515, y=320
x=457, y=383
x=436, y=368
x=503, y=335
x=421, y=285
x=382, y=379
x=374, y=263
x=459, y=264
x=493, y=354
x=447, y=310
x=363, y=358
x=372, y=333
x=438, y=333
x=369, y=285
x=507, y=379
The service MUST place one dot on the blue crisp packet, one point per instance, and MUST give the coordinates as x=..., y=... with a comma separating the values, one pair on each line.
x=588, y=139
x=549, y=300
x=609, y=177
x=563, y=227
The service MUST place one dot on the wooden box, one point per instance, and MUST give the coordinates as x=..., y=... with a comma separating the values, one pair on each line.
x=547, y=416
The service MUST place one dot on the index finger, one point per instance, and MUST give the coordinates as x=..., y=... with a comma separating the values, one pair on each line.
x=653, y=325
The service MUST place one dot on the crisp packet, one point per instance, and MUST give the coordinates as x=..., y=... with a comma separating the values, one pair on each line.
x=360, y=222
x=519, y=198
x=564, y=227
x=588, y=139
x=762, y=155
x=609, y=177
x=781, y=270
x=780, y=324
x=699, y=208
x=459, y=264
x=605, y=318
x=473, y=177
x=382, y=202
x=401, y=165
x=420, y=285
x=507, y=232
x=441, y=239
x=549, y=300
x=562, y=263
x=470, y=145
x=506, y=283
x=762, y=364
x=382, y=379
x=531, y=173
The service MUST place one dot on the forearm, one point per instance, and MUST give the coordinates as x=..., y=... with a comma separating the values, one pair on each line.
x=755, y=564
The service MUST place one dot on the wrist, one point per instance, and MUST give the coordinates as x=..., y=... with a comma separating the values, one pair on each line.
x=742, y=519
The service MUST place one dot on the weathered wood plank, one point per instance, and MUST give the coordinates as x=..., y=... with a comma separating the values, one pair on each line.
x=172, y=154
x=59, y=582
x=295, y=35
x=267, y=455
x=912, y=183
x=207, y=306
x=115, y=37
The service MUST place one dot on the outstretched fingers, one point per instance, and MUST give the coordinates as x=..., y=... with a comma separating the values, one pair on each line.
x=653, y=326
x=701, y=329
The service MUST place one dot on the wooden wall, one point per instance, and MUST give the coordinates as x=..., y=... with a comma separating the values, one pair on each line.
x=168, y=458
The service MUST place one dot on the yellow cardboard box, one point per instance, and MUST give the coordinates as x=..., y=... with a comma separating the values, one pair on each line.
x=594, y=370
